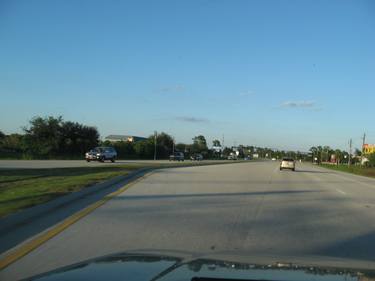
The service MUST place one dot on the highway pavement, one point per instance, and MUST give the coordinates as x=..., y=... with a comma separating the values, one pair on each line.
x=252, y=208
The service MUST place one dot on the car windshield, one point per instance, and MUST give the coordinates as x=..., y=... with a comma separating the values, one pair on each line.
x=200, y=128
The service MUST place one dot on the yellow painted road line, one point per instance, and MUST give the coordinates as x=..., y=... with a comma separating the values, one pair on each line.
x=44, y=237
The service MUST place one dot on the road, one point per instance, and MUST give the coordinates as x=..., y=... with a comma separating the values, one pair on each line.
x=251, y=207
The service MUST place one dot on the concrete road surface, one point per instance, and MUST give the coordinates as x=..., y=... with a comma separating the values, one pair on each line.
x=243, y=208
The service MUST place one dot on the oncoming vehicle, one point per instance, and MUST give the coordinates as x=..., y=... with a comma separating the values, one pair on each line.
x=288, y=163
x=101, y=154
x=197, y=157
x=177, y=156
x=232, y=157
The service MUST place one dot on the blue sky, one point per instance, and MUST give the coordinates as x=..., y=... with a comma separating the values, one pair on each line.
x=282, y=74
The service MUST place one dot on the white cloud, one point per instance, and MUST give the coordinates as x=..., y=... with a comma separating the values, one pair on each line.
x=172, y=89
x=190, y=119
x=298, y=104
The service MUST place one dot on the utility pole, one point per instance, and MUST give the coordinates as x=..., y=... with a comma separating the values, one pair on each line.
x=350, y=152
x=155, y=138
x=321, y=155
x=222, y=147
x=363, y=144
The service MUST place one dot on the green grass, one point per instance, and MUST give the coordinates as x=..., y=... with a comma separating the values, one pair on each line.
x=368, y=172
x=23, y=188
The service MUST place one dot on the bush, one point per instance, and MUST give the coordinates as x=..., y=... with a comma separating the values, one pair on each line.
x=371, y=159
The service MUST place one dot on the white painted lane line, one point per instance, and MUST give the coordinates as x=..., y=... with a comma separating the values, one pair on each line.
x=340, y=191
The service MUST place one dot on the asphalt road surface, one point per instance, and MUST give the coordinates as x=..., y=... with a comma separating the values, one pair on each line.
x=252, y=207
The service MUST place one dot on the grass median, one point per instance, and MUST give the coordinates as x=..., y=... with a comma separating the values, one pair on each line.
x=23, y=188
x=362, y=171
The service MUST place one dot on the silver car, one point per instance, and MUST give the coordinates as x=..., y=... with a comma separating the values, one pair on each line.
x=177, y=156
x=101, y=154
x=288, y=163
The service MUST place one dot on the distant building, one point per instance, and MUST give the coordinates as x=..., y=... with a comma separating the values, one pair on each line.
x=217, y=149
x=368, y=148
x=116, y=138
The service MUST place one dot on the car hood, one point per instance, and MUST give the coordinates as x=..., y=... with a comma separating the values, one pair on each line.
x=166, y=266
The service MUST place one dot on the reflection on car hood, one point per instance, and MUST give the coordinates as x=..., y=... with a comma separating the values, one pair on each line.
x=154, y=266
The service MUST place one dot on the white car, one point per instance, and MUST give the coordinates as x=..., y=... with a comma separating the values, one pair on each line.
x=177, y=156
x=197, y=157
x=288, y=163
x=101, y=154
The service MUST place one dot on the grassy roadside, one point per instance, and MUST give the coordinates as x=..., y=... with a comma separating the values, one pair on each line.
x=23, y=188
x=368, y=172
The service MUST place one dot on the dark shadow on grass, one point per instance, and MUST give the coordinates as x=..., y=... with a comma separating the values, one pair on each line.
x=30, y=174
x=23, y=179
x=39, y=198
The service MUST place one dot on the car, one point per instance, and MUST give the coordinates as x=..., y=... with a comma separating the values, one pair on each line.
x=232, y=157
x=177, y=156
x=197, y=157
x=101, y=154
x=273, y=159
x=288, y=163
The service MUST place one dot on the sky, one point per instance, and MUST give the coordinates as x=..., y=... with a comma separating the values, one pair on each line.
x=281, y=74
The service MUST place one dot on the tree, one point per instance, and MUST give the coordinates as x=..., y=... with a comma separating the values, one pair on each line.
x=51, y=136
x=216, y=143
x=316, y=153
x=181, y=147
x=76, y=139
x=371, y=159
x=42, y=138
x=144, y=149
x=164, y=144
x=125, y=149
x=13, y=142
x=339, y=155
x=2, y=135
x=199, y=144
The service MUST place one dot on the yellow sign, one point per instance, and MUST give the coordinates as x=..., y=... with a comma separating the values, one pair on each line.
x=368, y=148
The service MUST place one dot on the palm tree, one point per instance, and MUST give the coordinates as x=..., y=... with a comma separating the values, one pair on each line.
x=314, y=152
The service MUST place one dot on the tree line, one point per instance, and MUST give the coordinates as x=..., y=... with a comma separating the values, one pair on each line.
x=48, y=138
x=54, y=138
x=321, y=154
